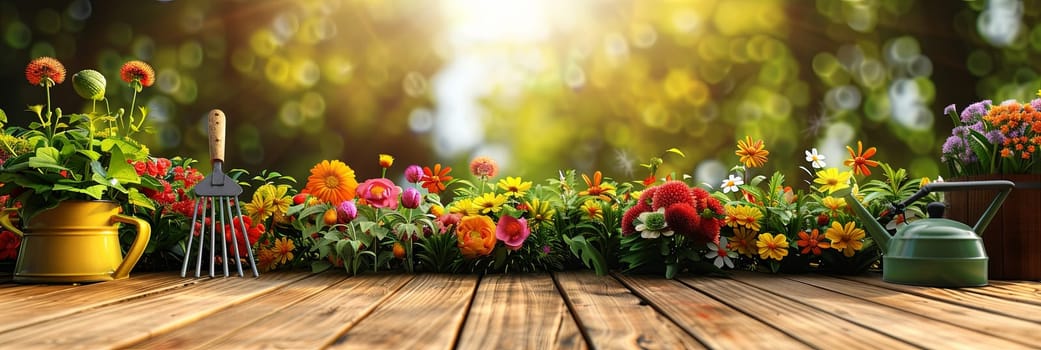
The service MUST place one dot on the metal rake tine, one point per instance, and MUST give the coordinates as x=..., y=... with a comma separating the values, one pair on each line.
x=213, y=236
x=188, y=247
x=249, y=247
x=224, y=233
x=202, y=237
x=234, y=237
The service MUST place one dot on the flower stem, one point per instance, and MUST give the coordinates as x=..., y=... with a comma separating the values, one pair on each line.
x=133, y=103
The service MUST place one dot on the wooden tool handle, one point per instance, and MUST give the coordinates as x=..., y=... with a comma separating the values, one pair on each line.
x=217, y=123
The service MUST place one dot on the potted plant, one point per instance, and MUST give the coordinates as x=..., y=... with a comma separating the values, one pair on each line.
x=65, y=172
x=991, y=142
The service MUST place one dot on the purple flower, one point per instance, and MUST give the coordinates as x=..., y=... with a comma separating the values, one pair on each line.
x=995, y=137
x=974, y=112
x=950, y=109
x=413, y=174
x=348, y=209
x=410, y=198
x=1036, y=103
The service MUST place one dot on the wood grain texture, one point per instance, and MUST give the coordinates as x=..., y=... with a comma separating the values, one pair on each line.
x=131, y=321
x=424, y=314
x=712, y=322
x=979, y=297
x=802, y=321
x=519, y=312
x=971, y=318
x=613, y=318
x=317, y=320
x=892, y=320
x=39, y=303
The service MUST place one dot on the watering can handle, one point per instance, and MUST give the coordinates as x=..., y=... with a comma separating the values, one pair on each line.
x=1003, y=186
x=5, y=221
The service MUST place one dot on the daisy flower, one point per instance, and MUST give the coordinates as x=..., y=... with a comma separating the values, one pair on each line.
x=730, y=184
x=816, y=160
x=652, y=224
x=720, y=254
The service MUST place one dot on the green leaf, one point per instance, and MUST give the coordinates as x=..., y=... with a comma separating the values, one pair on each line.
x=138, y=199
x=90, y=154
x=95, y=191
x=676, y=151
x=119, y=169
x=319, y=266
x=670, y=270
x=46, y=157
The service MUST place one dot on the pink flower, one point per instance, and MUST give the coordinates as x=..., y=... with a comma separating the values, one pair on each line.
x=414, y=174
x=411, y=198
x=379, y=193
x=447, y=221
x=512, y=231
x=349, y=211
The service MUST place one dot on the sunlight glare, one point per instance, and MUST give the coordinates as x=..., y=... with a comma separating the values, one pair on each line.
x=499, y=20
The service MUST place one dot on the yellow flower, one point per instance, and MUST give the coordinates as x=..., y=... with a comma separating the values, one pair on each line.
x=265, y=260
x=772, y=247
x=753, y=153
x=386, y=160
x=514, y=187
x=848, y=238
x=283, y=250
x=540, y=211
x=437, y=210
x=269, y=200
x=833, y=204
x=260, y=208
x=598, y=188
x=332, y=182
x=593, y=210
x=743, y=241
x=832, y=180
x=489, y=203
x=463, y=206
x=743, y=216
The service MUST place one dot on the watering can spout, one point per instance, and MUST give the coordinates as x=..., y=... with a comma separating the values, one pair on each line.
x=873, y=227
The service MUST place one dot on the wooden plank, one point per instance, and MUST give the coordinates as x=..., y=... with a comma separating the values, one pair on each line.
x=37, y=304
x=519, y=312
x=613, y=318
x=995, y=325
x=909, y=327
x=318, y=320
x=712, y=322
x=424, y=314
x=132, y=321
x=791, y=315
x=964, y=296
x=1022, y=292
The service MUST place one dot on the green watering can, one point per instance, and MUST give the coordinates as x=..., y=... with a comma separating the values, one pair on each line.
x=935, y=251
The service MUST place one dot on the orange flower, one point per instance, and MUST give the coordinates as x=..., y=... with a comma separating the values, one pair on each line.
x=861, y=160
x=753, y=153
x=137, y=71
x=435, y=180
x=596, y=188
x=45, y=71
x=476, y=235
x=812, y=242
x=484, y=167
x=331, y=182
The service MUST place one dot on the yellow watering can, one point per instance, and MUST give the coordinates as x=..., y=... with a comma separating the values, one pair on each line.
x=76, y=242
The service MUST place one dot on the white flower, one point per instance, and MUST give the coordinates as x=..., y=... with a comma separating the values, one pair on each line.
x=651, y=224
x=730, y=185
x=817, y=160
x=726, y=258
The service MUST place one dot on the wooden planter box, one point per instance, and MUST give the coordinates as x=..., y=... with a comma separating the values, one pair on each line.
x=1013, y=239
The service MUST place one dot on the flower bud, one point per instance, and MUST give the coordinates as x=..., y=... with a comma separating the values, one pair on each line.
x=349, y=210
x=413, y=173
x=411, y=198
x=89, y=84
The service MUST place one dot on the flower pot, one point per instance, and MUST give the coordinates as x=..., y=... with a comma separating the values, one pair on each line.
x=1013, y=238
x=76, y=242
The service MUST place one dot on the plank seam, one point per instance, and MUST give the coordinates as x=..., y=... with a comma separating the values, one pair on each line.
x=645, y=301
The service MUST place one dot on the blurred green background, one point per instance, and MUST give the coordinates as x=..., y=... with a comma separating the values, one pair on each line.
x=539, y=85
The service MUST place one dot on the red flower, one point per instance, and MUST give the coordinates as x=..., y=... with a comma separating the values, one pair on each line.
x=812, y=242
x=672, y=192
x=45, y=67
x=861, y=160
x=137, y=71
x=683, y=219
x=9, y=243
x=434, y=180
x=253, y=233
x=630, y=215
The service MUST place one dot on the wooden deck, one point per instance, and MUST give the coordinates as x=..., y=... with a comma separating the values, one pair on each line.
x=571, y=310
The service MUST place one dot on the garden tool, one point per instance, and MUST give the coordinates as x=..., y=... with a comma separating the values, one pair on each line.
x=935, y=251
x=216, y=193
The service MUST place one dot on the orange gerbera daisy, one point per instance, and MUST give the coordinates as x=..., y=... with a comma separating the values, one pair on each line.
x=331, y=182
x=45, y=67
x=753, y=153
x=137, y=71
x=861, y=160
x=598, y=189
x=436, y=180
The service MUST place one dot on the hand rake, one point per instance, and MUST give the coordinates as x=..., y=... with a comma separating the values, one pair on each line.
x=216, y=194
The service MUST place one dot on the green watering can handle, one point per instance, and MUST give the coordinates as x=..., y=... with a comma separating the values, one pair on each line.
x=1004, y=186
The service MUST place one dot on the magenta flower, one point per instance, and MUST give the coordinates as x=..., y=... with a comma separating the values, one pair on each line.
x=379, y=193
x=512, y=231
x=348, y=211
x=414, y=174
x=411, y=198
